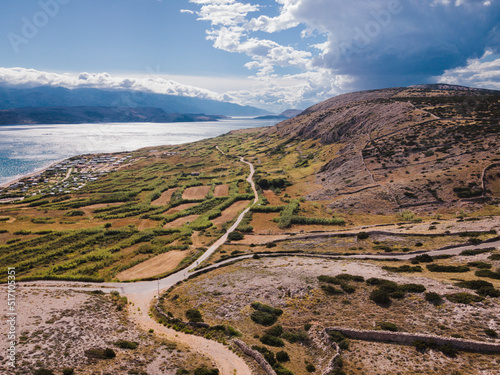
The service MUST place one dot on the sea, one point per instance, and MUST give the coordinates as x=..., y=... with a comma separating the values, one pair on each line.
x=25, y=149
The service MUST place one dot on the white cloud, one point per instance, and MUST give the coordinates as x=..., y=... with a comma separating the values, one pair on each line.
x=148, y=82
x=483, y=72
x=188, y=11
x=366, y=43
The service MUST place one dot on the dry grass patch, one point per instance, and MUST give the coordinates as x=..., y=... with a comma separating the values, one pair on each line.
x=230, y=213
x=164, y=198
x=196, y=192
x=179, y=208
x=158, y=265
x=177, y=223
x=221, y=190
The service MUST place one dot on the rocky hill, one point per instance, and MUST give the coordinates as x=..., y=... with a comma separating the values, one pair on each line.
x=423, y=146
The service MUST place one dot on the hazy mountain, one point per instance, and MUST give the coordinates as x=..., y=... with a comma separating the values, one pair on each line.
x=48, y=96
x=79, y=115
x=289, y=113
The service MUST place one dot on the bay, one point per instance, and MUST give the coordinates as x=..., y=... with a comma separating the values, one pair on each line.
x=24, y=149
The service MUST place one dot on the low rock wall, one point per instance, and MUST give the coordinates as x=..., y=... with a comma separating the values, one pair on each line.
x=259, y=358
x=409, y=338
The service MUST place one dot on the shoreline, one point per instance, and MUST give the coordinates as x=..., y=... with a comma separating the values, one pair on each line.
x=31, y=174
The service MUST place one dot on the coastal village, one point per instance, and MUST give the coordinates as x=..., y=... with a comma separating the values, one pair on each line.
x=64, y=177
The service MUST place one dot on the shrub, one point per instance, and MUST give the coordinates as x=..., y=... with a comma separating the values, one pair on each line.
x=124, y=344
x=276, y=330
x=23, y=232
x=413, y=288
x=471, y=252
x=480, y=265
x=387, y=326
x=310, y=367
x=423, y=258
x=404, y=268
x=271, y=340
x=206, y=371
x=68, y=371
x=464, y=298
x=75, y=213
x=494, y=257
x=270, y=245
x=442, y=268
x=235, y=236
x=433, y=297
x=266, y=308
x=363, y=235
x=98, y=353
x=282, y=356
x=194, y=315
x=43, y=371
x=491, y=333
x=330, y=290
x=380, y=296
x=488, y=273
x=263, y=318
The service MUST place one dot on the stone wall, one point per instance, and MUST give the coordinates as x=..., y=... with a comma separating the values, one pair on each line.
x=409, y=338
x=259, y=358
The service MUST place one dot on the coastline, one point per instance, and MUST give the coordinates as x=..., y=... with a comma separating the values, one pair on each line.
x=31, y=174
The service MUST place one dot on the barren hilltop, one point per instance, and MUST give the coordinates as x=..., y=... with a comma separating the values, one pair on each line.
x=427, y=145
x=359, y=238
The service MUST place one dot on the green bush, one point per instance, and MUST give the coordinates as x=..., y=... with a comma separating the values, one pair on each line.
x=442, y=268
x=463, y=297
x=194, y=315
x=488, y=273
x=235, y=236
x=404, y=268
x=363, y=235
x=380, y=296
x=206, y=371
x=282, y=356
x=271, y=340
x=433, y=297
x=268, y=355
x=310, y=367
x=75, y=213
x=263, y=318
x=423, y=258
x=98, y=353
x=124, y=344
x=480, y=265
x=276, y=330
x=413, y=288
x=68, y=371
x=330, y=290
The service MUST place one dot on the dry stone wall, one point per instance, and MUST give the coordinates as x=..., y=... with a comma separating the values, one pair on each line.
x=409, y=338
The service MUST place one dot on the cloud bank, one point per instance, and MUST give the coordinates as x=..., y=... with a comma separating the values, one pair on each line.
x=22, y=77
x=347, y=45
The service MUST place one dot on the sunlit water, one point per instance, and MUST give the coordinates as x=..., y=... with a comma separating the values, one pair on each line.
x=25, y=149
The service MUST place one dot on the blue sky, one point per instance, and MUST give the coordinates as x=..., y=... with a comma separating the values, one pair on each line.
x=274, y=54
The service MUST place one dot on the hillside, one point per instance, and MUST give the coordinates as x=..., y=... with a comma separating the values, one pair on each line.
x=425, y=146
x=47, y=96
x=81, y=115
x=371, y=214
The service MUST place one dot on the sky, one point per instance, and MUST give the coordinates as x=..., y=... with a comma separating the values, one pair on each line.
x=273, y=54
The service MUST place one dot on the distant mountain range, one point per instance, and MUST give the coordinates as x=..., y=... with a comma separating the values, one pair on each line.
x=48, y=96
x=289, y=113
x=80, y=115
